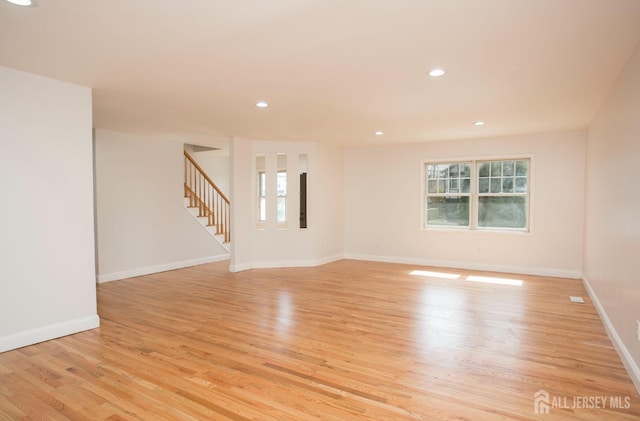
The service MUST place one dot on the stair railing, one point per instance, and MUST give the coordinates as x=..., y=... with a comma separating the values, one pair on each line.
x=203, y=193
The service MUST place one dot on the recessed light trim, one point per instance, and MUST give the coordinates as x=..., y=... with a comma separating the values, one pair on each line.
x=262, y=104
x=379, y=133
x=479, y=123
x=25, y=3
x=436, y=72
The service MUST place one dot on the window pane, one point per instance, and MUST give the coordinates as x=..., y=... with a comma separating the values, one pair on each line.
x=502, y=212
x=454, y=170
x=465, y=171
x=441, y=185
x=442, y=171
x=483, y=169
x=508, y=168
x=507, y=185
x=466, y=185
x=282, y=184
x=262, y=211
x=496, y=169
x=521, y=168
x=453, y=185
x=496, y=185
x=282, y=214
x=448, y=211
x=432, y=186
x=521, y=185
x=262, y=181
x=483, y=185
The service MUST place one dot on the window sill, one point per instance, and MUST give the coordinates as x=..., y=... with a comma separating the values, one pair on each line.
x=263, y=226
x=477, y=230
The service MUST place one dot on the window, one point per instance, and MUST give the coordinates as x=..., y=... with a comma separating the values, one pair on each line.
x=262, y=196
x=282, y=196
x=281, y=190
x=502, y=194
x=477, y=195
x=271, y=189
x=448, y=194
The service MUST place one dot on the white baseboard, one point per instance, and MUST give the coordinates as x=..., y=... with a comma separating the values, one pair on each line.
x=522, y=270
x=270, y=264
x=45, y=333
x=329, y=259
x=623, y=352
x=116, y=276
x=239, y=268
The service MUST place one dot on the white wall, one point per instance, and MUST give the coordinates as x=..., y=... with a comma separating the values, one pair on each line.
x=47, y=278
x=612, y=227
x=242, y=203
x=142, y=224
x=383, y=206
x=328, y=201
x=274, y=246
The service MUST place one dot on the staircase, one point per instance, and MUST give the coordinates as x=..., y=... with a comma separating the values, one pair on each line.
x=206, y=202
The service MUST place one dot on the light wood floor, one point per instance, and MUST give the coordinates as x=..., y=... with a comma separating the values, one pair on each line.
x=348, y=340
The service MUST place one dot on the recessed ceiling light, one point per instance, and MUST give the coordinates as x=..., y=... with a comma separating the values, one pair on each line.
x=436, y=72
x=21, y=2
x=478, y=123
x=379, y=133
x=262, y=104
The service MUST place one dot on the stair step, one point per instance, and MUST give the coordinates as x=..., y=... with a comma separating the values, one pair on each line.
x=204, y=221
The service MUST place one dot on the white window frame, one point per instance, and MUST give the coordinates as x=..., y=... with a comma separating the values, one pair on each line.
x=474, y=195
x=262, y=198
x=446, y=191
x=282, y=196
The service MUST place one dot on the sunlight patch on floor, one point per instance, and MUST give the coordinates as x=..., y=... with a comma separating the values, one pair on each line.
x=497, y=281
x=470, y=278
x=435, y=274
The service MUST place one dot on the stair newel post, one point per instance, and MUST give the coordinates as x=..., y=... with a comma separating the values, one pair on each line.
x=220, y=215
x=207, y=200
x=227, y=225
x=224, y=220
x=217, y=213
x=211, y=204
x=205, y=195
x=192, y=184
x=200, y=193
x=222, y=226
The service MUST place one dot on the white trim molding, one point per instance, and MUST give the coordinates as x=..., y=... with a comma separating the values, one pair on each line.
x=271, y=264
x=623, y=352
x=45, y=333
x=116, y=276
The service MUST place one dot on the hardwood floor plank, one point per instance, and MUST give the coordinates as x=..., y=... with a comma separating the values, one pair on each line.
x=347, y=340
x=8, y=411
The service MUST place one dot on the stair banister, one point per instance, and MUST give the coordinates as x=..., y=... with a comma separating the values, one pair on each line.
x=203, y=193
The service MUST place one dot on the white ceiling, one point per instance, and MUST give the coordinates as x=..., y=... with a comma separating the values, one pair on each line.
x=332, y=70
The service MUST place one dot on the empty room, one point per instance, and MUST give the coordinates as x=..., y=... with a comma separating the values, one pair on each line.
x=319, y=210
